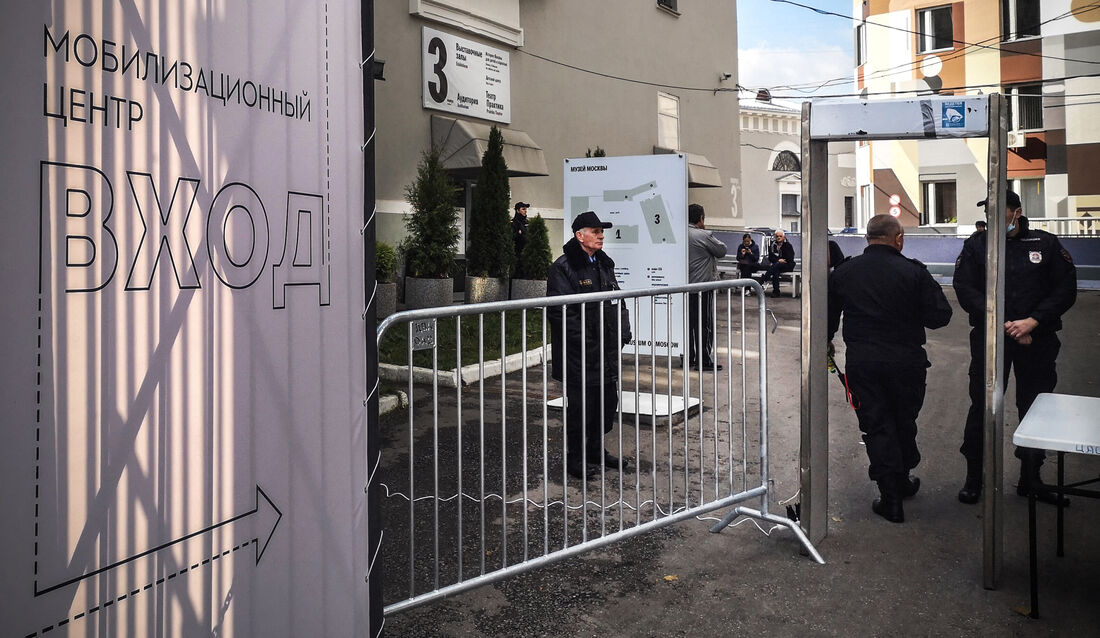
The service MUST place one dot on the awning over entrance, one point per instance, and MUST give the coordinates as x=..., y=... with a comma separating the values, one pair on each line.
x=701, y=173
x=462, y=143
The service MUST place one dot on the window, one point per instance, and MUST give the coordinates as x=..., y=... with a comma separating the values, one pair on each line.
x=1019, y=19
x=938, y=203
x=1025, y=107
x=861, y=44
x=934, y=29
x=1032, y=196
x=787, y=161
x=788, y=205
x=668, y=121
x=849, y=215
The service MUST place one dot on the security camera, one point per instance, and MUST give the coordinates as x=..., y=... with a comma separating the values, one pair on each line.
x=722, y=77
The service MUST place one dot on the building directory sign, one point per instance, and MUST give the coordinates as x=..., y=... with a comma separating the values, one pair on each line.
x=645, y=197
x=465, y=77
x=184, y=353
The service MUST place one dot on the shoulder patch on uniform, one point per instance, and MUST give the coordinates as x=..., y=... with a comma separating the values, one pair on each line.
x=1066, y=256
x=584, y=282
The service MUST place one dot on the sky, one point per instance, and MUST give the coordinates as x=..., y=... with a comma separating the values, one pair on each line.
x=781, y=44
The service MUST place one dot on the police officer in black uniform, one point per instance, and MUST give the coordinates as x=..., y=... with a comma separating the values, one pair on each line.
x=1040, y=286
x=585, y=267
x=887, y=300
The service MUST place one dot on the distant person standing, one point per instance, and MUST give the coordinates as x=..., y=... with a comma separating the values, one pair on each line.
x=887, y=301
x=748, y=256
x=519, y=228
x=1040, y=286
x=980, y=227
x=704, y=250
x=780, y=260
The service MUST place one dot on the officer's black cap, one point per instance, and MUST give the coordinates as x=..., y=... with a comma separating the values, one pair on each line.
x=1012, y=200
x=589, y=219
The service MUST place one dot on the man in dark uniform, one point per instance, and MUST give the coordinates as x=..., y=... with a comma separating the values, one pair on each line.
x=519, y=227
x=887, y=301
x=1040, y=286
x=591, y=401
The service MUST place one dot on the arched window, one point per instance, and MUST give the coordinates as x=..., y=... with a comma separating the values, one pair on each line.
x=788, y=162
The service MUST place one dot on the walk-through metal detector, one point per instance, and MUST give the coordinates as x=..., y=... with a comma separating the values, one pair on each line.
x=920, y=118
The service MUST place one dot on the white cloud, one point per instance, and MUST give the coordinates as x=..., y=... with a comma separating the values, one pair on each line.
x=806, y=68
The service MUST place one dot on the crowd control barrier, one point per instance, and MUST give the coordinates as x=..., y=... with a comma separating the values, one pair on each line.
x=476, y=472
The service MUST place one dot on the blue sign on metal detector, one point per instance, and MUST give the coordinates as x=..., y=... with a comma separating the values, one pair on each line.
x=954, y=115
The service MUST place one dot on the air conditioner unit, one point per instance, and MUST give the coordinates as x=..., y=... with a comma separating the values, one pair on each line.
x=1016, y=139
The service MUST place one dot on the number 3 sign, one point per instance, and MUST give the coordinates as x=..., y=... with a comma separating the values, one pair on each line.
x=465, y=77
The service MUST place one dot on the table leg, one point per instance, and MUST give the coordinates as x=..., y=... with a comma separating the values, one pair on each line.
x=1033, y=560
x=1061, y=484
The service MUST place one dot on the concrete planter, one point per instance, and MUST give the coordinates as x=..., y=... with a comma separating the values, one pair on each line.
x=386, y=300
x=428, y=293
x=528, y=288
x=485, y=289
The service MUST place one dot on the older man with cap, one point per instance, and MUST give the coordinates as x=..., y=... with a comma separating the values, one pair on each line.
x=586, y=345
x=1040, y=286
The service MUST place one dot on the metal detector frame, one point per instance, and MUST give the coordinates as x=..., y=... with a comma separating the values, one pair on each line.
x=917, y=118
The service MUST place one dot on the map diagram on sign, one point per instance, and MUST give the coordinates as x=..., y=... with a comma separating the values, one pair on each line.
x=622, y=206
x=644, y=197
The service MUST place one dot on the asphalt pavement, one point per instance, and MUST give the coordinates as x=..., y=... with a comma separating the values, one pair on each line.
x=923, y=577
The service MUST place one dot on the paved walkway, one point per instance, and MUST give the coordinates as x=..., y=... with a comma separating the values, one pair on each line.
x=919, y=578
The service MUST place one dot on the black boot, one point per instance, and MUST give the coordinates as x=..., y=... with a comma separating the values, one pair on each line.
x=971, y=491
x=888, y=505
x=1029, y=476
x=910, y=485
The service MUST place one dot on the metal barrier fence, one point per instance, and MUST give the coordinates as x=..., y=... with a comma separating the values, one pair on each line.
x=478, y=485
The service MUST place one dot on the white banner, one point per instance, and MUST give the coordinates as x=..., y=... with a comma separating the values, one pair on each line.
x=465, y=77
x=645, y=197
x=183, y=350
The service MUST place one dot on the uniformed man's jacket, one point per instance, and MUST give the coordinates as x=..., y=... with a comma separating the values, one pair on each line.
x=1040, y=278
x=887, y=301
x=575, y=273
x=519, y=232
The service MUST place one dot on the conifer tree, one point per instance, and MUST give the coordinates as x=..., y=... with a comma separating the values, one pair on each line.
x=431, y=244
x=491, y=252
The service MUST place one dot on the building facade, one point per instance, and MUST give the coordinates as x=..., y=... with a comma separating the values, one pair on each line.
x=559, y=79
x=771, y=168
x=1040, y=54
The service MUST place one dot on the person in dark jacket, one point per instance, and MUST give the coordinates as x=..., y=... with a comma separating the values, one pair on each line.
x=780, y=260
x=519, y=228
x=1040, y=286
x=887, y=301
x=586, y=340
x=748, y=257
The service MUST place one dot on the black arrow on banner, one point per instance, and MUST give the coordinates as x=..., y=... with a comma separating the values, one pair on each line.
x=260, y=548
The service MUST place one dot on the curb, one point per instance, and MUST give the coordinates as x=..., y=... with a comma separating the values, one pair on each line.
x=469, y=374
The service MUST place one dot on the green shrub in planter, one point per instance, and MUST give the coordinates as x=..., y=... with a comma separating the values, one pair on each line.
x=431, y=245
x=385, y=263
x=535, y=260
x=491, y=252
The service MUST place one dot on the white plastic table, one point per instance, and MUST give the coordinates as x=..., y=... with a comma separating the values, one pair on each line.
x=1062, y=423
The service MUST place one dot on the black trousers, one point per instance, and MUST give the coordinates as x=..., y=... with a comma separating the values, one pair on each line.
x=1035, y=371
x=708, y=328
x=585, y=422
x=890, y=397
x=773, y=272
